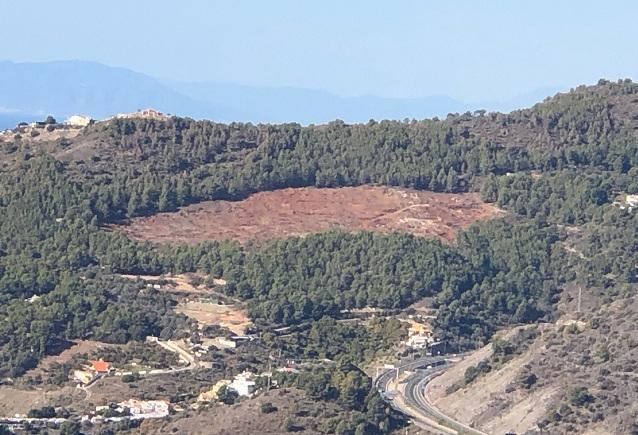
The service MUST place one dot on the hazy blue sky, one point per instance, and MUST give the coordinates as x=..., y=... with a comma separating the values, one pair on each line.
x=471, y=50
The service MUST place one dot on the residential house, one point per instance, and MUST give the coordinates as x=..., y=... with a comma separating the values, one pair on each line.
x=89, y=373
x=418, y=341
x=78, y=121
x=100, y=367
x=419, y=335
x=146, y=408
x=244, y=384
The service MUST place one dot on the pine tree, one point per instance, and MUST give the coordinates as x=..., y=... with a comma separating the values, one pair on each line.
x=183, y=192
x=133, y=204
x=167, y=200
x=489, y=189
x=451, y=181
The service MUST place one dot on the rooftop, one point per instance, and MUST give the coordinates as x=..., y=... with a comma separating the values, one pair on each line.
x=100, y=366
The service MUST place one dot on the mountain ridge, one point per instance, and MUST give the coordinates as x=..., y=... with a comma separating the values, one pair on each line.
x=33, y=90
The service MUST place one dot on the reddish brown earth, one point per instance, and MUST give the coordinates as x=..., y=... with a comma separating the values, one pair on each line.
x=288, y=212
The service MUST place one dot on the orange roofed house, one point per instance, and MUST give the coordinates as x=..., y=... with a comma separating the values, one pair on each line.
x=89, y=373
x=100, y=367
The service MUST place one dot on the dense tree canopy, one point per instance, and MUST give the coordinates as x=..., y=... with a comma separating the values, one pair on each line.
x=562, y=162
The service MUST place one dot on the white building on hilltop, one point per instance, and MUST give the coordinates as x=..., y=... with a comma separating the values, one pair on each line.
x=78, y=121
x=243, y=384
x=145, y=114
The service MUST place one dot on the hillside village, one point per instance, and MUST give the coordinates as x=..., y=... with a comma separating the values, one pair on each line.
x=43, y=130
x=95, y=374
x=194, y=354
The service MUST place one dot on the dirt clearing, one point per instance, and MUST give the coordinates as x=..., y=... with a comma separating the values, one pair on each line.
x=184, y=283
x=203, y=304
x=288, y=212
x=208, y=313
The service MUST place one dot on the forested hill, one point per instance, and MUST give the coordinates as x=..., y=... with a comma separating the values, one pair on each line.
x=561, y=162
x=184, y=161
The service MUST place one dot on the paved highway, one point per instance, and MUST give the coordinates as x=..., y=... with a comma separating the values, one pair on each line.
x=412, y=400
x=415, y=396
x=382, y=381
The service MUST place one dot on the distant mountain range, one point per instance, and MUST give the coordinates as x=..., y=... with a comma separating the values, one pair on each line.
x=30, y=91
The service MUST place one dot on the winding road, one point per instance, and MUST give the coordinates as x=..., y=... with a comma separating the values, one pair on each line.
x=408, y=395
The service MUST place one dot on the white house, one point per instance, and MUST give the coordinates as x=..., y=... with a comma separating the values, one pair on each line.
x=418, y=341
x=78, y=121
x=146, y=408
x=243, y=384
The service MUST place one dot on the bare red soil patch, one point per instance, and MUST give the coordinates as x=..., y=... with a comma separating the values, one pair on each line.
x=288, y=212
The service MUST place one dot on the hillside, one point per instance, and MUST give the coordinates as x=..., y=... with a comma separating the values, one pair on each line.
x=570, y=376
x=581, y=128
x=562, y=171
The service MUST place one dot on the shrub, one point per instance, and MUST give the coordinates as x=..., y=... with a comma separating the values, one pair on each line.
x=289, y=425
x=268, y=407
x=70, y=428
x=579, y=396
x=473, y=372
x=527, y=380
x=502, y=349
x=554, y=417
x=573, y=329
x=227, y=395
x=44, y=412
x=130, y=378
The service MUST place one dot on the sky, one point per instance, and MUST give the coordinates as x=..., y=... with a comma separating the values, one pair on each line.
x=468, y=50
